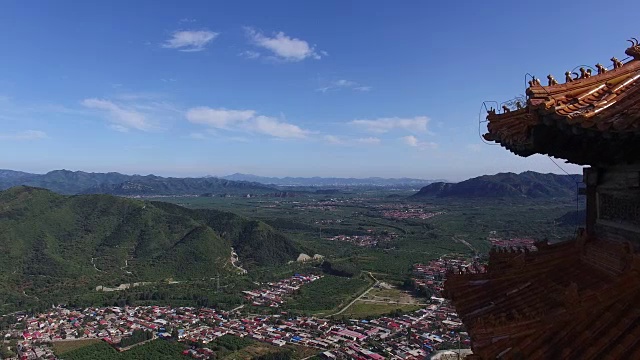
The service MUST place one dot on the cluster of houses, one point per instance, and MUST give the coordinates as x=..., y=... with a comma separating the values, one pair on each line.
x=408, y=336
x=365, y=240
x=402, y=336
x=273, y=294
x=411, y=213
x=430, y=277
x=513, y=243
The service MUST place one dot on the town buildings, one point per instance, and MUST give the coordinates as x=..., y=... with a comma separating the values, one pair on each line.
x=405, y=336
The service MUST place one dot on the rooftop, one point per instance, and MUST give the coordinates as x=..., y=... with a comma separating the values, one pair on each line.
x=592, y=118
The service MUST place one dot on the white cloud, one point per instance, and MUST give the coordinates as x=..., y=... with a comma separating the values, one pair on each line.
x=249, y=54
x=369, y=141
x=274, y=127
x=283, y=46
x=24, y=135
x=383, y=125
x=414, y=142
x=218, y=118
x=190, y=41
x=410, y=140
x=122, y=118
x=119, y=128
x=343, y=84
x=332, y=139
x=247, y=120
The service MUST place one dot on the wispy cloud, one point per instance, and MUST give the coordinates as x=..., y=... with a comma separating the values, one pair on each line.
x=414, y=142
x=332, y=139
x=283, y=46
x=276, y=128
x=24, y=135
x=123, y=119
x=218, y=118
x=249, y=54
x=244, y=120
x=337, y=140
x=369, y=140
x=410, y=140
x=343, y=84
x=190, y=40
x=383, y=125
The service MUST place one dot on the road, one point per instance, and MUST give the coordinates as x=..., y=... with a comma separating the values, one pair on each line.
x=359, y=297
x=238, y=308
x=466, y=243
x=394, y=302
x=137, y=344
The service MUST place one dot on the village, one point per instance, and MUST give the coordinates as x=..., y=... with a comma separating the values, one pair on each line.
x=273, y=294
x=365, y=240
x=410, y=213
x=514, y=243
x=410, y=335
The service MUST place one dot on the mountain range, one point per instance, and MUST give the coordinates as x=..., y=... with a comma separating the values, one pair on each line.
x=328, y=181
x=80, y=182
x=528, y=184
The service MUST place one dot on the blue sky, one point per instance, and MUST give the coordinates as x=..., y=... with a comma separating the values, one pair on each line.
x=282, y=88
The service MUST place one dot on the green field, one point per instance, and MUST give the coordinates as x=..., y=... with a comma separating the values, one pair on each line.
x=63, y=347
x=327, y=294
x=361, y=310
x=154, y=350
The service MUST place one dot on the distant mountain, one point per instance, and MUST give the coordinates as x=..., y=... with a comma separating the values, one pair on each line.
x=331, y=181
x=79, y=182
x=55, y=239
x=509, y=185
x=10, y=174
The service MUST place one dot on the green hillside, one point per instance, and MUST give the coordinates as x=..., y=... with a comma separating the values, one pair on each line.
x=47, y=239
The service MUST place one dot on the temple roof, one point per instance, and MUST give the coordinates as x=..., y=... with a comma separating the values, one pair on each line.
x=590, y=119
x=574, y=300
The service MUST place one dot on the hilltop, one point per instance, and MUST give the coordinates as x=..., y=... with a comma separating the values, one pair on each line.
x=80, y=182
x=50, y=239
x=528, y=184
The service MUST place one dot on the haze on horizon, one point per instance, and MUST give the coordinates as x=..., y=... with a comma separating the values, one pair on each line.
x=331, y=89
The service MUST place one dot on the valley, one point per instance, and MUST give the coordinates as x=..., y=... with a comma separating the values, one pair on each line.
x=235, y=254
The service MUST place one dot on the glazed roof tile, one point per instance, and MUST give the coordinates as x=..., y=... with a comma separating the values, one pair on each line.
x=602, y=106
x=571, y=306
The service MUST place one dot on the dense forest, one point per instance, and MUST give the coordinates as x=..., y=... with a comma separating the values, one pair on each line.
x=50, y=242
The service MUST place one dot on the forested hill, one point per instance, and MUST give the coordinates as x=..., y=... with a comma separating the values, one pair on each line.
x=509, y=185
x=44, y=234
x=79, y=182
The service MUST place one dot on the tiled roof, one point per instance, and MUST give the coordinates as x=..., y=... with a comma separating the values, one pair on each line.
x=577, y=300
x=590, y=106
